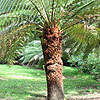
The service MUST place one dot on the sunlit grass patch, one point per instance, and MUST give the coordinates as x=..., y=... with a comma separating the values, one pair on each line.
x=76, y=83
x=22, y=83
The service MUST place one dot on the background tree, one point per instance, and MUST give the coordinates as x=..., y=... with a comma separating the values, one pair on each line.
x=50, y=19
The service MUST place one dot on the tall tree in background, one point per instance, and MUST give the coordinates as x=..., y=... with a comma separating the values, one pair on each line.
x=49, y=20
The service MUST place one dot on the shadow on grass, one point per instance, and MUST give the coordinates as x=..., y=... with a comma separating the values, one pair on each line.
x=38, y=95
x=22, y=83
x=19, y=82
x=22, y=89
x=76, y=83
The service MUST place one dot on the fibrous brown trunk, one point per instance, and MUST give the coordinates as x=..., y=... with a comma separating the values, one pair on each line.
x=52, y=51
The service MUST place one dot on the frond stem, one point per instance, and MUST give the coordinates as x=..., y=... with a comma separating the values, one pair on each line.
x=52, y=13
x=38, y=11
x=78, y=12
x=69, y=26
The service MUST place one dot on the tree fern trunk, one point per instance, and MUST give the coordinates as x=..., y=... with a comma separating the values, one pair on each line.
x=52, y=51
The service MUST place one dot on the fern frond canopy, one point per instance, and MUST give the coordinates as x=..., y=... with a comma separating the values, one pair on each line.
x=22, y=17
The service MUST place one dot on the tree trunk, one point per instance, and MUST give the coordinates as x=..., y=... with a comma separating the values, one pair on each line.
x=52, y=51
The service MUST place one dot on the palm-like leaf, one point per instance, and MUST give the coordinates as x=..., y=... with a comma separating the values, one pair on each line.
x=42, y=11
x=21, y=16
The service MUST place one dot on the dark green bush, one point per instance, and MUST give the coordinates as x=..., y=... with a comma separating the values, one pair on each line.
x=90, y=65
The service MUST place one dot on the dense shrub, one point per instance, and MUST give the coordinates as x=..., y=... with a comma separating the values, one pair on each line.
x=90, y=65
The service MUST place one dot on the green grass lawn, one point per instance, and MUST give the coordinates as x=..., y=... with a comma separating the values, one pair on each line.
x=23, y=83
x=76, y=83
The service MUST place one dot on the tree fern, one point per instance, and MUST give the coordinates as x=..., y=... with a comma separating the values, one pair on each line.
x=41, y=16
x=23, y=15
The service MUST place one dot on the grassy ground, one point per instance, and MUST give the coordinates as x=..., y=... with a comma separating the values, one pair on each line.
x=23, y=83
x=76, y=83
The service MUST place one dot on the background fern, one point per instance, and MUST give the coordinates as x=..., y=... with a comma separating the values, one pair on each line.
x=31, y=52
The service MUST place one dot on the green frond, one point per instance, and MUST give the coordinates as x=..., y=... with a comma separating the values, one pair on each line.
x=20, y=12
x=21, y=16
x=75, y=10
x=9, y=46
x=30, y=50
x=72, y=46
x=92, y=11
x=88, y=49
x=78, y=32
x=11, y=42
x=42, y=11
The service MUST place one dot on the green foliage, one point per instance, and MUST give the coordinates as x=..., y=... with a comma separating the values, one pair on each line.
x=77, y=61
x=21, y=16
x=93, y=64
x=9, y=46
x=89, y=65
x=84, y=36
x=46, y=12
x=11, y=43
x=41, y=63
x=30, y=53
